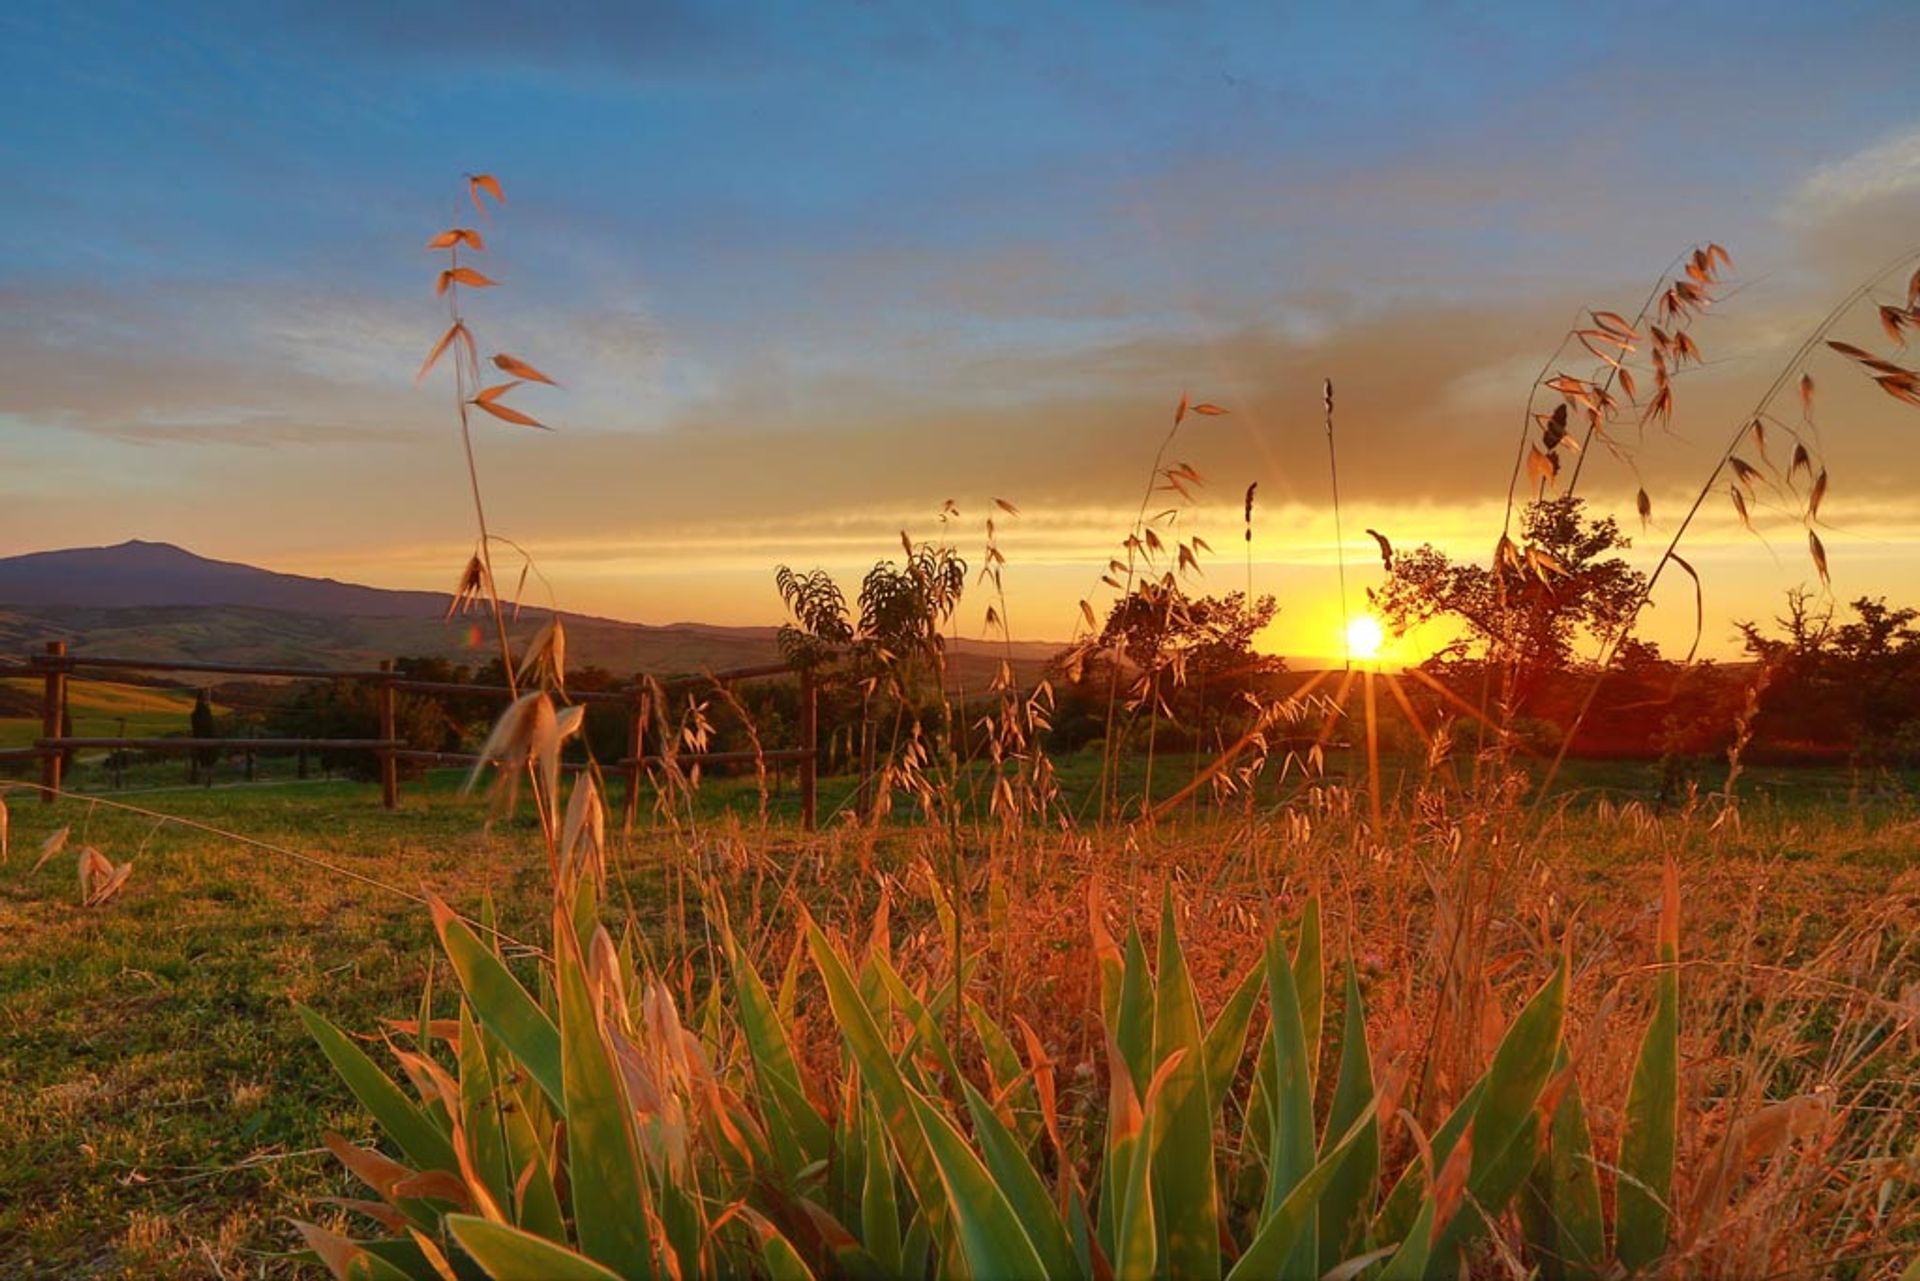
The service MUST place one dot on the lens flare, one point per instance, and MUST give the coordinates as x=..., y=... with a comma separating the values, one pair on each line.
x=1365, y=636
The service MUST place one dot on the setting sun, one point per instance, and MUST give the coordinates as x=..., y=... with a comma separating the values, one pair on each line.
x=1365, y=636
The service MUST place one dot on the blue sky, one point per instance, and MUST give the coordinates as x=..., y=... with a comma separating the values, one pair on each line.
x=807, y=270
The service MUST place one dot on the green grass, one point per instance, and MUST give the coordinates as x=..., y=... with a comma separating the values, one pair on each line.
x=161, y=1099
x=161, y=1106
x=102, y=709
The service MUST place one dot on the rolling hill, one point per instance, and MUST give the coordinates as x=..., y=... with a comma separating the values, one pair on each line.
x=163, y=603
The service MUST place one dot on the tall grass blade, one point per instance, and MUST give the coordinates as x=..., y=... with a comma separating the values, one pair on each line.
x=1506, y=1125
x=1290, y=1142
x=508, y=1254
x=1186, y=1199
x=1276, y=1249
x=782, y=1261
x=1396, y=1219
x=604, y=1170
x=1560, y=1207
x=1009, y=1080
x=1135, y=1246
x=1309, y=980
x=992, y=1238
x=1134, y=1027
x=1347, y=1206
x=1227, y=1038
x=798, y=1133
x=1642, y=1219
x=424, y=1144
x=499, y=1002
x=481, y=1097
x=879, y=1204
x=1013, y=1173
x=894, y=1097
x=1130, y=1036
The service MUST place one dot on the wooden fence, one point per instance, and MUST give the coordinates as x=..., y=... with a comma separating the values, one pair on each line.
x=55, y=665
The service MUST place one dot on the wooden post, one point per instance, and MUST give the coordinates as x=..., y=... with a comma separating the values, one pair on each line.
x=636, y=750
x=53, y=703
x=869, y=804
x=809, y=743
x=389, y=765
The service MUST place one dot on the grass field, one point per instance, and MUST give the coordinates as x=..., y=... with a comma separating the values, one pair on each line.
x=103, y=709
x=163, y=1109
x=162, y=1105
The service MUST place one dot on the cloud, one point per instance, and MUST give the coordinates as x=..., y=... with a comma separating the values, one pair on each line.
x=1887, y=168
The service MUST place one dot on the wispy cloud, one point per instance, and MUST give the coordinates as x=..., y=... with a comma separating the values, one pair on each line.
x=1887, y=168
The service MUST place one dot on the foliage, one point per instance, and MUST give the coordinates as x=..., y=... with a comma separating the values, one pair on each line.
x=351, y=709
x=147, y=1117
x=893, y=652
x=1196, y=657
x=200, y=722
x=1204, y=638
x=1531, y=607
x=1850, y=687
x=902, y=609
x=916, y=1163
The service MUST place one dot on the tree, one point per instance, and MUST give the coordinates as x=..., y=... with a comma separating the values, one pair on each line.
x=1852, y=687
x=201, y=722
x=1200, y=649
x=902, y=611
x=351, y=709
x=895, y=642
x=1530, y=610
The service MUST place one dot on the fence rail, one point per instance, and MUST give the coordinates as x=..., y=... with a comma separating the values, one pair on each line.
x=68, y=743
x=56, y=665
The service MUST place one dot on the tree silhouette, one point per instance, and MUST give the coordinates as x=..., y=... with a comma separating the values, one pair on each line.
x=890, y=649
x=1532, y=607
x=201, y=722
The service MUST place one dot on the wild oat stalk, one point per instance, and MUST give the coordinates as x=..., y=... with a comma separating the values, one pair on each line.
x=1897, y=381
x=1143, y=545
x=478, y=577
x=529, y=734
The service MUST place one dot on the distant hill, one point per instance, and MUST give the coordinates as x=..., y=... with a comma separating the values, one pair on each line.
x=138, y=573
x=161, y=602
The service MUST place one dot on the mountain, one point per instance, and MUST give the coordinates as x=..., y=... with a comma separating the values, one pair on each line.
x=158, y=574
x=163, y=603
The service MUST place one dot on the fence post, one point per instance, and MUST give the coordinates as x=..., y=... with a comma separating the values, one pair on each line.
x=389, y=766
x=636, y=750
x=53, y=704
x=810, y=742
x=869, y=802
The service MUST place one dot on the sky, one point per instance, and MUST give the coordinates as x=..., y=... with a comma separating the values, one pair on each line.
x=805, y=273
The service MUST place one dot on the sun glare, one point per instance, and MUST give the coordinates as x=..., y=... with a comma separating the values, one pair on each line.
x=1365, y=636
